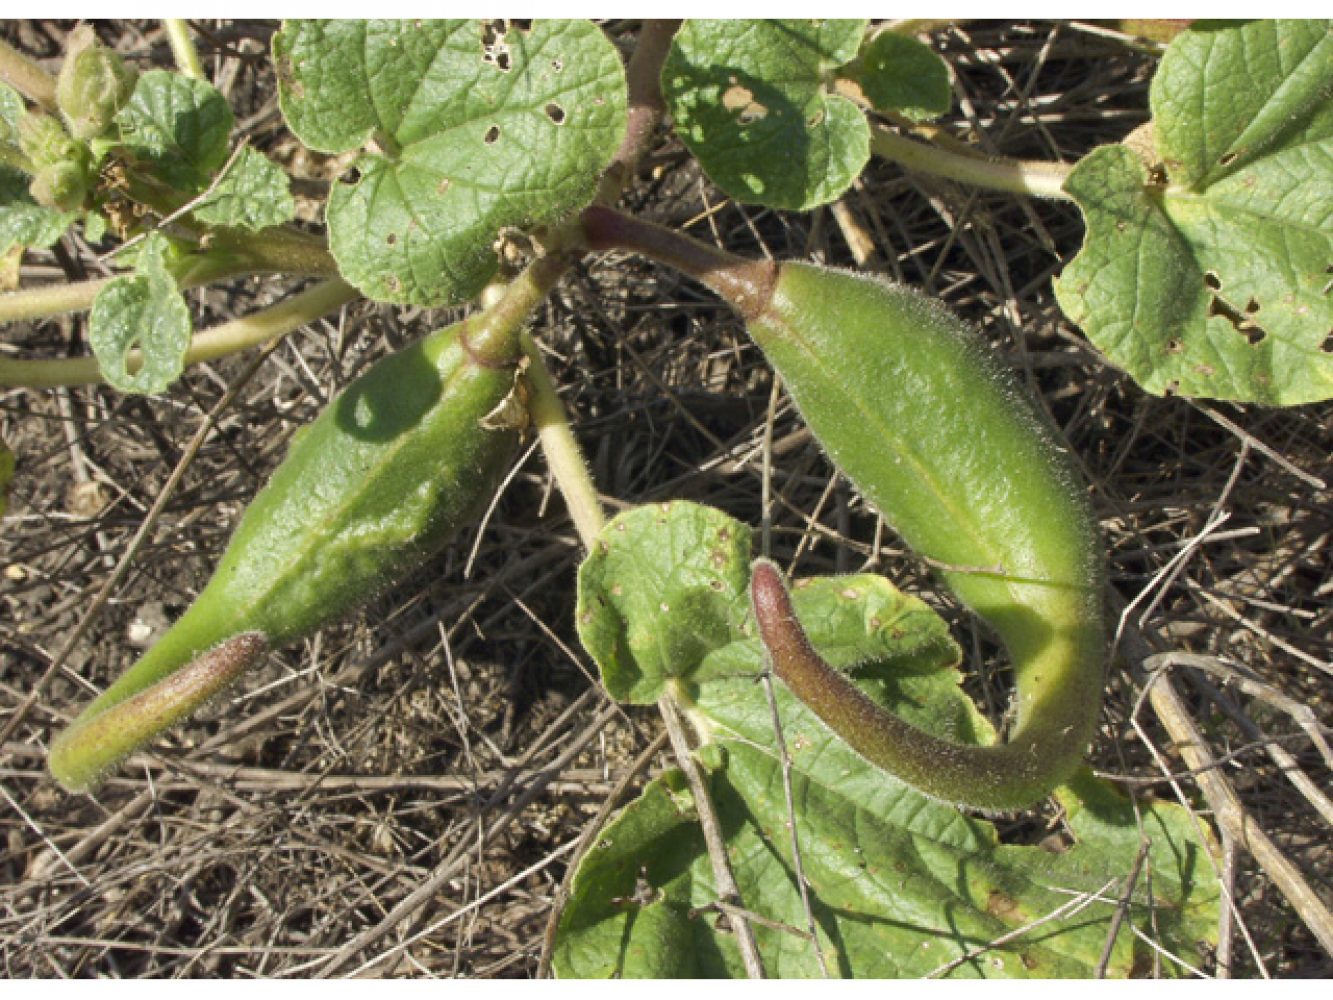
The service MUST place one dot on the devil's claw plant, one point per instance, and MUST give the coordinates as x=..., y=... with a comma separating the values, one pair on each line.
x=825, y=825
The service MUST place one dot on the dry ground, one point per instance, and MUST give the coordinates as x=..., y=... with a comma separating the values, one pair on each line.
x=400, y=794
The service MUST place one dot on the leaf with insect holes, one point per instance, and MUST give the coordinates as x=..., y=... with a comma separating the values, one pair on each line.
x=254, y=193
x=180, y=126
x=476, y=128
x=897, y=73
x=1213, y=279
x=752, y=101
x=143, y=310
x=901, y=885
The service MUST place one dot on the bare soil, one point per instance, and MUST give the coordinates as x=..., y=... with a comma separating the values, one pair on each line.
x=400, y=795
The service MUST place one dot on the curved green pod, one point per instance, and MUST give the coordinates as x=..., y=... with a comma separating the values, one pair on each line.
x=919, y=416
x=397, y=463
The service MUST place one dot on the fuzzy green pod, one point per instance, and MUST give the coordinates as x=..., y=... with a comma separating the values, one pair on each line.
x=391, y=469
x=919, y=416
x=916, y=413
x=94, y=84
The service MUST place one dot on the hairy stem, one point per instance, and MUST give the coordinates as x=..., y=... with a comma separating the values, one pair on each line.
x=288, y=253
x=1041, y=179
x=219, y=341
x=182, y=47
x=564, y=457
x=643, y=81
x=25, y=76
x=746, y=284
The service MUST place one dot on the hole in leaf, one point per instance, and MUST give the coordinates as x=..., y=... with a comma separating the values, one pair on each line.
x=1253, y=334
x=556, y=113
x=1174, y=346
x=1172, y=387
x=391, y=239
x=558, y=65
x=493, y=48
x=492, y=135
x=1327, y=345
x=1251, y=307
x=1211, y=279
x=1227, y=159
x=521, y=23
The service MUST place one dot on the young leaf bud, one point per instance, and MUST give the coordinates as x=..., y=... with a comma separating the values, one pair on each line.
x=62, y=185
x=93, y=85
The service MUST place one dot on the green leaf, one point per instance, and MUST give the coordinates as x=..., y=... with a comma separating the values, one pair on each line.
x=897, y=73
x=901, y=884
x=23, y=222
x=11, y=111
x=94, y=227
x=663, y=586
x=144, y=310
x=6, y=475
x=1216, y=284
x=751, y=100
x=477, y=128
x=254, y=194
x=179, y=125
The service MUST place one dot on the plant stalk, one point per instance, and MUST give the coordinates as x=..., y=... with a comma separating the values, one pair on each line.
x=219, y=341
x=25, y=76
x=1031, y=177
x=182, y=47
x=291, y=253
x=643, y=81
x=746, y=284
x=564, y=457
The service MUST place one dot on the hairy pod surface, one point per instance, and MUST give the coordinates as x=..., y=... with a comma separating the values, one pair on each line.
x=95, y=743
x=914, y=411
x=378, y=482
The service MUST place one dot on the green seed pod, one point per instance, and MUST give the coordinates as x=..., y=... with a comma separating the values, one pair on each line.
x=943, y=442
x=381, y=480
x=94, y=84
x=922, y=420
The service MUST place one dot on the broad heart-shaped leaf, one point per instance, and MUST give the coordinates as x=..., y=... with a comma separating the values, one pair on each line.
x=902, y=885
x=144, y=310
x=1216, y=284
x=179, y=125
x=480, y=128
x=751, y=100
x=254, y=194
x=23, y=222
x=897, y=73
